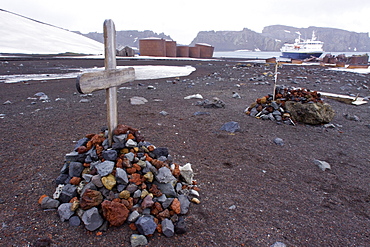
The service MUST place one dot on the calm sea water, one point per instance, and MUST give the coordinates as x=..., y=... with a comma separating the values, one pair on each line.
x=267, y=54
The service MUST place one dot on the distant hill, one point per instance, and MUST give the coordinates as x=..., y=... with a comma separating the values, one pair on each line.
x=127, y=38
x=273, y=37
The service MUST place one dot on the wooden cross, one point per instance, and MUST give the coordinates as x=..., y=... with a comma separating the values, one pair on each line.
x=108, y=79
x=111, y=77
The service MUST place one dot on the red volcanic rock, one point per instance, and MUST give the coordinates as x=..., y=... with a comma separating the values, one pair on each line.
x=131, y=170
x=89, y=136
x=136, y=179
x=122, y=129
x=97, y=139
x=156, y=208
x=130, y=136
x=164, y=214
x=133, y=227
x=75, y=180
x=81, y=149
x=119, y=163
x=175, y=206
x=176, y=171
x=137, y=167
x=158, y=164
x=91, y=198
x=155, y=191
x=41, y=198
x=116, y=213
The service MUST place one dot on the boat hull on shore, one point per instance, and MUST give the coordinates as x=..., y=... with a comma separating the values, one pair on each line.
x=301, y=55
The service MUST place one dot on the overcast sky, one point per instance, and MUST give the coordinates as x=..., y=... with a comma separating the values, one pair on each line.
x=182, y=20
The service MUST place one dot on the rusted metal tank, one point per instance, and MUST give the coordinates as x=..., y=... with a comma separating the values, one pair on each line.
x=182, y=51
x=170, y=48
x=359, y=59
x=194, y=51
x=152, y=47
x=206, y=50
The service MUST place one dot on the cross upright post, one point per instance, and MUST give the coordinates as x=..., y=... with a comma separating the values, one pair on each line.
x=110, y=64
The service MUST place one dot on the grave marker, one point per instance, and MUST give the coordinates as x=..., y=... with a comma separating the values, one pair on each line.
x=111, y=77
x=108, y=79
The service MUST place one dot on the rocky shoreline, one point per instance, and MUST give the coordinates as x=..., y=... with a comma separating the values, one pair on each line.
x=255, y=191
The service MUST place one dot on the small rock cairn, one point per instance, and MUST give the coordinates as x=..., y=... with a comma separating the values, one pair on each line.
x=266, y=108
x=133, y=182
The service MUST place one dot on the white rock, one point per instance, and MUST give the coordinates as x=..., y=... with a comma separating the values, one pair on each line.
x=136, y=100
x=58, y=190
x=323, y=165
x=187, y=173
x=194, y=96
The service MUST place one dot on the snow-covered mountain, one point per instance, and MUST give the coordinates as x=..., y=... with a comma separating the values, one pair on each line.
x=19, y=34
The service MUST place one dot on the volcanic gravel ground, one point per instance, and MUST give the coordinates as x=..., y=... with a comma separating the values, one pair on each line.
x=253, y=192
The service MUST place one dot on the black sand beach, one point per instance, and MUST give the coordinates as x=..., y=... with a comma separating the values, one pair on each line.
x=253, y=192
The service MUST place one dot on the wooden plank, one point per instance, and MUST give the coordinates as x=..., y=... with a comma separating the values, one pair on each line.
x=110, y=63
x=345, y=98
x=93, y=81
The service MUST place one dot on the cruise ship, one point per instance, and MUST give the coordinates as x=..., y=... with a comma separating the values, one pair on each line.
x=303, y=48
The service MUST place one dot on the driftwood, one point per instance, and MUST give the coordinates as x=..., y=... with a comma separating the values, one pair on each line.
x=345, y=98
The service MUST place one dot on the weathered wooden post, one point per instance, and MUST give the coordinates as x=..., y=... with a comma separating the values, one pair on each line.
x=108, y=79
x=110, y=64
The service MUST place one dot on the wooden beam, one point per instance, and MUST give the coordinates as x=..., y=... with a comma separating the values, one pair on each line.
x=93, y=81
x=345, y=98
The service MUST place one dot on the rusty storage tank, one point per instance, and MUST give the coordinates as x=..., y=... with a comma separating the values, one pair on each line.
x=206, y=50
x=170, y=48
x=194, y=51
x=182, y=51
x=152, y=47
x=359, y=59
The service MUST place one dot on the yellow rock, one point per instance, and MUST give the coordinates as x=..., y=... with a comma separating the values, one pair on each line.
x=149, y=177
x=109, y=181
x=75, y=205
x=125, y=194
x=144, y=193
x=195, y=200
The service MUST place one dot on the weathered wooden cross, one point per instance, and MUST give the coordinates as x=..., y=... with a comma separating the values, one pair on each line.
x=108, y=79
x=111, y=77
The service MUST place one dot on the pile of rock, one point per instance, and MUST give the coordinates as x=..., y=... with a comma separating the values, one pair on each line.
x=292, y=104
x=133, y=182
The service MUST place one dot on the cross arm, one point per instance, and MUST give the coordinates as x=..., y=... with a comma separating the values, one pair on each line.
x=93, y=81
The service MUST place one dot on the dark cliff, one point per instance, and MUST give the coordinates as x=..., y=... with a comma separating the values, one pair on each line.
x=273, y=37
x=128, y=38
x=236, y=40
